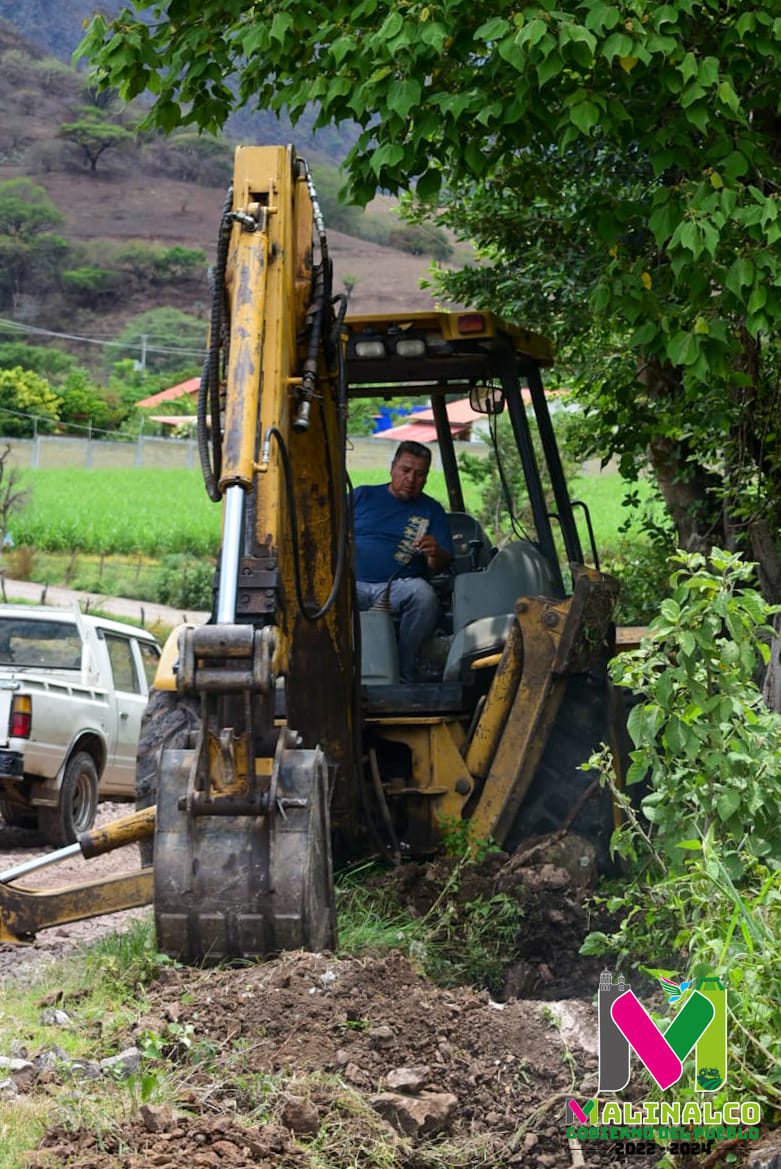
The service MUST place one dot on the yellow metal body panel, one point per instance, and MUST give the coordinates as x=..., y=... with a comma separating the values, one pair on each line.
x=165, y=675
x=23, y=911
x=438, y=770
x=497, y=706
x=270, y=276
x=557, y=638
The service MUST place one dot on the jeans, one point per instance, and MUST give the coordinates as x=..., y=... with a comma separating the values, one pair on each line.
x=415, y=603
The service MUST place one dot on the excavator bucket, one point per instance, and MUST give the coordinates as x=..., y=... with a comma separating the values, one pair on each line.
x=244, y=885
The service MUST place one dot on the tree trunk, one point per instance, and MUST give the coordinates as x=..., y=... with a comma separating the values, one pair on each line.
x=771, y=690
x=686, y=486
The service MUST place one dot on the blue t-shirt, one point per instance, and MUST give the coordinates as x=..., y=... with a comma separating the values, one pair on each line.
x=386, y=529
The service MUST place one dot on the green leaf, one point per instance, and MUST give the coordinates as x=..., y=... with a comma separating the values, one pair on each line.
x=532, y=33
x=280, y=26
x=728, y=96
x=618, y=45
x=727, y=804
x=688, y=67
x=493, y=29
x=340, y=48
x=585, y=116
x=428, y=185
x=683, y=349
x=595, y=943
x=602, y=16
x=758, y=298
x=739, y=275
x=388, y=155
x=644, y=335
x=708, y=72
x=692, y=845
x=391, y=26
x=549, y=68
x=403, y=96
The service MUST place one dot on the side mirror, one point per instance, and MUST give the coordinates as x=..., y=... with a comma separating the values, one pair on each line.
x=486, y=399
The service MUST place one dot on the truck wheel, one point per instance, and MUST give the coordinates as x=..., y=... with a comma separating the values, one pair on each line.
x=168, y=721
x=16, y=817
x=78, y=802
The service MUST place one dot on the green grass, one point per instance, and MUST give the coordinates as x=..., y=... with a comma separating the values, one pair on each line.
x=604, y=495
x=124, y=511
x=143, y=512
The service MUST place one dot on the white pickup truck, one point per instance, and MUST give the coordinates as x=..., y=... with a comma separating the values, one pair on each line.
x=73, y=689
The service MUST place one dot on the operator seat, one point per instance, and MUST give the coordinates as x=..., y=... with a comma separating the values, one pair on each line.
x=484, y=602
x=472, y=549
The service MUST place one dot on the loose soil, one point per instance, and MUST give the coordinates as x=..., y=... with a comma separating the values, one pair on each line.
x=311, y=1061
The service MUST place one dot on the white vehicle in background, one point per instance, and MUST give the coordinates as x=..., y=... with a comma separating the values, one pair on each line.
x=73, y=689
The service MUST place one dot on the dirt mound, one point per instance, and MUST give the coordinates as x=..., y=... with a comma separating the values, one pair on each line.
x=341, y=1062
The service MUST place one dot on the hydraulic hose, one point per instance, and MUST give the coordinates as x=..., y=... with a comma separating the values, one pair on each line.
x=209, y=389
x=309, y=614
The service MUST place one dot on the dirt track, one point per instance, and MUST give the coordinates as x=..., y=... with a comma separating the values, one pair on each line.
x=120, y=608
x=17, y=846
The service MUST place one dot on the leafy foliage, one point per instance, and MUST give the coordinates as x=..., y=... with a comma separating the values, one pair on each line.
x=50, y=363
x=167, y=328
x=505, y=470
x=642, y=563
x=94, y=135
x=708, y=831
x=25, y=396
x=641, y=139
x=29, y=252
x=185, y=582
x=455, y=941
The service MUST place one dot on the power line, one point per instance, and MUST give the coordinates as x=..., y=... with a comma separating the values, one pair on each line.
x=32, y=330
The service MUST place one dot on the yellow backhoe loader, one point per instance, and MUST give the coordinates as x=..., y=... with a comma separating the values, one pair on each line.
x=279, y=731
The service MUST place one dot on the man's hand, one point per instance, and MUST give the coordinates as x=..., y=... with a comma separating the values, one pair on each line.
x=437, y=558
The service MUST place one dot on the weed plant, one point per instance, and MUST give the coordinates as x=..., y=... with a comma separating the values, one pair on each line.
x=454, y=943
x=706, y=840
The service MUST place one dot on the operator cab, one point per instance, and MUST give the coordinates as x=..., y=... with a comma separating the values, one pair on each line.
x=440, y=358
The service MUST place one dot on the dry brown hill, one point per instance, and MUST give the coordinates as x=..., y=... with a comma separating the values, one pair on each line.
x=137, y=194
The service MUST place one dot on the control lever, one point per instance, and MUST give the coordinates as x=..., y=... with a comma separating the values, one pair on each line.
x=475, y=547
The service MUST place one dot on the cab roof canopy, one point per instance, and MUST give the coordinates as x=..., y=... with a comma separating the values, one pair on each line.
x=439, y=352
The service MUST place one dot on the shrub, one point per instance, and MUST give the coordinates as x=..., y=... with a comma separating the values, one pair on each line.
x=91, y=286
x=642, y=565
x=707, y=884
x=185, y=582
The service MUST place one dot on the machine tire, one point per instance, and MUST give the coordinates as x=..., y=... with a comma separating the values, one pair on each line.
x=169, y=721
x=16, y=817
x=78, y=804
x=579, y=729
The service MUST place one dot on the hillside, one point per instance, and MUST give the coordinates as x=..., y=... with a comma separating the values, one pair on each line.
x=58, y=28
x=55, y=28
x=162, y=192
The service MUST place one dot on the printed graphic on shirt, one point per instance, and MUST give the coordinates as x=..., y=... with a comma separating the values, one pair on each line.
x=414, y=530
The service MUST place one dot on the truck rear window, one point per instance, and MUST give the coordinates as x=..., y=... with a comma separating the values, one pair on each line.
x=52, y=644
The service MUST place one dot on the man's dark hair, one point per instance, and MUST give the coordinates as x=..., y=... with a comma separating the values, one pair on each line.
x=413, y=448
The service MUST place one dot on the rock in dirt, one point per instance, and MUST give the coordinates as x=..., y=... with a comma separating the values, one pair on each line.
x=572, y=854
x=127, y=1063
x=156, y=1117
x=410, y=1080
x=422, y=1115
x=766, y=1156
x=21, y=1071
x=301, y=1116
x=54, y=1017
